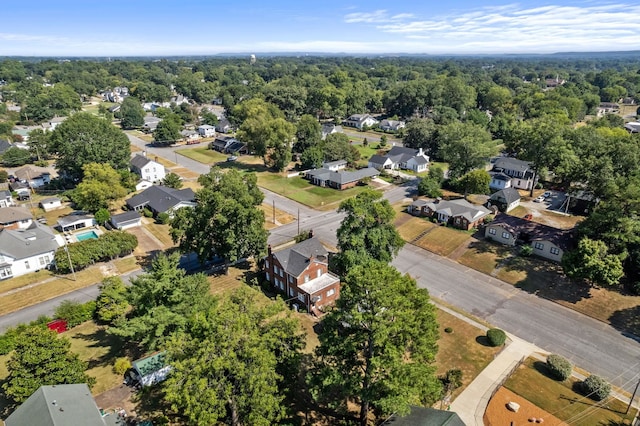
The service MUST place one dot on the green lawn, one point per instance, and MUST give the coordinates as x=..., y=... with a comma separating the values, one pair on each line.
x=300, y=190
x=532, y=383
x=203, y=155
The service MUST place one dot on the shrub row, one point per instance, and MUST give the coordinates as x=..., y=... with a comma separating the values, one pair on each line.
x=85, y=253
x=559, y=367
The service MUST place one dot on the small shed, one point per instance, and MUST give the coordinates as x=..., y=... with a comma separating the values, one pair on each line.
x=51, y=203
x=152, y=369
x=126, y=220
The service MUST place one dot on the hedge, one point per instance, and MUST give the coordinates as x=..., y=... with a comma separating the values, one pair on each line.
x=559, y=367
x=595, y=387
x=85, y=253
x=496, y=337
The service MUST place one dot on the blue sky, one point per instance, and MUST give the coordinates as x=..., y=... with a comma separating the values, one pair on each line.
x=201, y=27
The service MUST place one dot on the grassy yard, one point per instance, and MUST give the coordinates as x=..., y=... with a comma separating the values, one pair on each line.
x=443, y=240
x=300, y=190
x=531, y=381
x=25, y=280
x=484, y=256
x=99, y=349
x=161, y=232
x=412, y=228
x=461, y=349
x=203, y=155
x=126, y=264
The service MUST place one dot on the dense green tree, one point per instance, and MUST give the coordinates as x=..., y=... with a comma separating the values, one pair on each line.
x=15, y=157
x=225, y=221
x=422, y=133
x=475, y=182
x=208, y=117
x=131, y=113
x=172, y=180
x=111, y=304
x=337, y=146
x=465, y=147
x=42, y=358
x=592, y=262
x=39, y=144
x=233, y=352
x=102, y=216
x=312, y=157
x=378, y=346
x=100, y=185
x=167, y=131
x=367, y=231
x=429, y=187
x=308, y=133
x=162, y=300
x=84, y=138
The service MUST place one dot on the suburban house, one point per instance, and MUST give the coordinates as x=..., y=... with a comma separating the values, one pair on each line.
x=147, y=169
x=425, y=416
x=75, y=221
x=143, y=184
x=632, y=127
x=53, y=123
x=126, y=220
x=499, y=181
x=505, y=200
x=329, y=128
x=459, y=213
x=223, y=126
x=520, y=171
x=391, y=125
x=51, y=203
x=546, y=241
x=206, y=131
x=189, y=136
x=152, y=369
x=27, y=250
x=400, y=157
x=360, y=120
x=552, y=83
x=33, y=176
x=607, y=108
x=15, y=218
x=340, y=179
x=151, y=123
x=335, y=166
x=6, y=199
x=301, y=273
x=61, y=405
x=162, y=199
x=229, y=145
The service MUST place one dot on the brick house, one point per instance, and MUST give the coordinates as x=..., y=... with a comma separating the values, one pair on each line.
x=460, y=213
x=301, y=273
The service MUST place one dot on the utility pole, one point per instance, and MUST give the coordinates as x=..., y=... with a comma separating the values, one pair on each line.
x=298, y=221
x=632, y=397
x=274, y=212
x=66, y=248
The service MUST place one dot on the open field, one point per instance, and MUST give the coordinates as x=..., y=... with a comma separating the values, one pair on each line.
x=300, y=190
x=203, y=155
x=443, y=240
x=561, y=400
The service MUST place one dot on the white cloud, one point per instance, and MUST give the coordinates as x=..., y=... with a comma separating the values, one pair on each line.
x=513, y=28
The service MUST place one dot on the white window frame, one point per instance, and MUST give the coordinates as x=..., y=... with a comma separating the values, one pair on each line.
x=506, y=235
x=331, y=292
x=538, y=245
x=492, y=231
x=554, y=250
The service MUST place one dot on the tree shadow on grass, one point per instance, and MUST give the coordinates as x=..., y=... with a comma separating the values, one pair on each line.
x=627, y=321
x=243, y=167
x=484, y=341
x=114, y=344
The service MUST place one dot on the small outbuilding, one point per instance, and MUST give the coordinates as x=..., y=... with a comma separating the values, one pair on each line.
x=51, y=203
x=126, y=220
x=152, y=369
x=75, y=221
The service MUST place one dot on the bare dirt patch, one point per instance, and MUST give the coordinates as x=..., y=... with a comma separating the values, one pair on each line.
x=498, y=414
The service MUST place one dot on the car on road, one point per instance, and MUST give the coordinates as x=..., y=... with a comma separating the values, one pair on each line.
x=539, y=199
x=232, y=158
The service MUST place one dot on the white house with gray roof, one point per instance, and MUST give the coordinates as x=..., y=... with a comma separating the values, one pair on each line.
x=359, y=121
x=403, y=158
x=457, y=213
x=27, y=250
x=505, y=200
x=148, y=169
x=521, y=173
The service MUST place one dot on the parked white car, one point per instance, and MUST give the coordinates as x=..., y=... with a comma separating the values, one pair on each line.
x=539, y=199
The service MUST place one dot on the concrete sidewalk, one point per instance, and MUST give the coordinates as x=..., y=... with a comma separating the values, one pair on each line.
x=471, y=404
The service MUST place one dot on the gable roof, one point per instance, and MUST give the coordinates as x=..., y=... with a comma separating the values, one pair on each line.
x=509, y=195
x=421, y=416
x=140, y=161
x=22, y=243
x=295, y=259
x=31, y=172
x=378, y=159
x=150, y=364
x=460, y=207
x=73, y=218
x=14, y=214
x=129, y=216
x=509, y=163
x=533, y=231
x=161, y=198
x=58, y=405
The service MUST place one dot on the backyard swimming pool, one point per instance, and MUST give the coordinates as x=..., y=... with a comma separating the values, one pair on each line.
x=91, y=235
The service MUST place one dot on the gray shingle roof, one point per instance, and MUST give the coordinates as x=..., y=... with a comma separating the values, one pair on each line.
x=508, y=195
x=295, y=259
x=161, y=198
x=533, y=231
x=377, y=159
x=59, y=405
x=139, y=161
x=421, y=416
x=23, y=243
x=129, y=216
x=508, y=163
x=460, y=207
x=14, y=214
x=72, y=219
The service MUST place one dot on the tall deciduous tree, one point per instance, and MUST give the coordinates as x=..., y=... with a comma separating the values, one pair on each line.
x=42, y=358
x=226, y=220
x=367, y=231
x=422, y=133
x=378, y=345
x=465, y=147
x=168, y=130
x=475, y=182
x=163, y=300
x=229, y=366
x=84, y=138
x=100, y=185
x=111, y=304
x=308, y=133
x=131, y=113
x=591, y=261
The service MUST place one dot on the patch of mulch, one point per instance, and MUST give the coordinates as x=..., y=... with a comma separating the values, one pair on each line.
x=498, y=414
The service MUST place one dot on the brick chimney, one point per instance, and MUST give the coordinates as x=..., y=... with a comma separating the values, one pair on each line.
x=269, y=251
